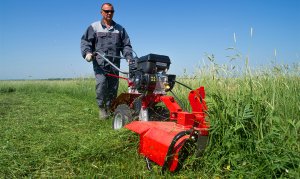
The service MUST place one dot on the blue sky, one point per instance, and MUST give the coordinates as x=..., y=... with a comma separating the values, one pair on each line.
x=41, y=38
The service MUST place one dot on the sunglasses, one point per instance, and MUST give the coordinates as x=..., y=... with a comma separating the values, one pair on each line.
x=108, y=11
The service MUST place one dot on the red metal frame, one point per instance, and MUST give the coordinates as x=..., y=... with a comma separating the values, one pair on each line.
x=156, y=137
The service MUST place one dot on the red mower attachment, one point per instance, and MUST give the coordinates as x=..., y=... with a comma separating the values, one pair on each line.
x=168, y=143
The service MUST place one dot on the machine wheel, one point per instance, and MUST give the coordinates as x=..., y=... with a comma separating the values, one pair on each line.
x=190, y=147
x=122, y=116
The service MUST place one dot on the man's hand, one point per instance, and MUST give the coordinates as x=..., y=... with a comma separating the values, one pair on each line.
x=131, y=64
x=89, y=57
x=128, y=59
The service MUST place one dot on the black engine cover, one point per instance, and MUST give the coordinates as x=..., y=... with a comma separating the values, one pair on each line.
x=144, y=72
x=153, y=63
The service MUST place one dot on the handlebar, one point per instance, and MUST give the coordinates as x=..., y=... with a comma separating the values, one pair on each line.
x=108, y=61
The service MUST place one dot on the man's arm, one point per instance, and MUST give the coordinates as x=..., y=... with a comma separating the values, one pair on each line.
x=127, y=48
x=88, y=42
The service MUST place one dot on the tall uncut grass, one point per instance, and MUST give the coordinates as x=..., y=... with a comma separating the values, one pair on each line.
x=255, y=121
x=254, y=133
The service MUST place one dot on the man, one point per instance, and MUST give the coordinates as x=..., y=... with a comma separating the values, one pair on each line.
x=105, y=36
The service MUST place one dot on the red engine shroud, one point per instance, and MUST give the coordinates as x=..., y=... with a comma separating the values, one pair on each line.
x=156, y=137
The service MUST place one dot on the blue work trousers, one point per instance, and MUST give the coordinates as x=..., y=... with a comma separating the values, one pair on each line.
x=106, y=90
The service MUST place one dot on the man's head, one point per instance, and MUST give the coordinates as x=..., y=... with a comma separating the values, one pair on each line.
x=107, y=11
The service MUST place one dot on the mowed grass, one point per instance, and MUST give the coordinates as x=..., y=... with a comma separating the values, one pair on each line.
x=47, y=132
x=51, y=129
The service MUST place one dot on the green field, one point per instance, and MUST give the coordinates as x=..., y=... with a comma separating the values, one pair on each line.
x=51, y=129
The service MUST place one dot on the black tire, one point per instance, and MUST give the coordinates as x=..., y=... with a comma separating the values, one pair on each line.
x=190, y=147
x=122, y=116
x=187, y=149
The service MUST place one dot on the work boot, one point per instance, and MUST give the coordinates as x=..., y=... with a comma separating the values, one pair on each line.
x=103, y=114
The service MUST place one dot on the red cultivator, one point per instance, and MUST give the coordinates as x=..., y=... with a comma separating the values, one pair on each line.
x=167, y=132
